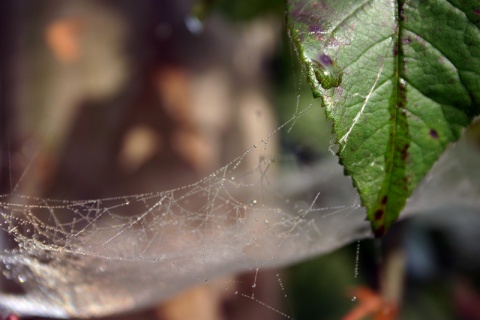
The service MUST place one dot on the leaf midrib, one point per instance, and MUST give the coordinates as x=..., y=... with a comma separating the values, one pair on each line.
x=396, y=82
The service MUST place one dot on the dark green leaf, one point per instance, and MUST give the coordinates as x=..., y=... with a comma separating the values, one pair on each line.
x=399, y=79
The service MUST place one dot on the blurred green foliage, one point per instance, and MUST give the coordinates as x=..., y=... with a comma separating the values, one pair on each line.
x=319, y=288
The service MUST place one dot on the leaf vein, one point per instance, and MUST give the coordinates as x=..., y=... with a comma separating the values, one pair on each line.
x=359, y=114
x=372, y=135
x=352, y=63
x=450, y=61
x=457, y=8
x=348, y=16
x=374, y=90
x=419, y=91
x=429, y=98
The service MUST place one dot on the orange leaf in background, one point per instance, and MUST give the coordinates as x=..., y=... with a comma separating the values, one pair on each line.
x=62, y=38
x=371, y=303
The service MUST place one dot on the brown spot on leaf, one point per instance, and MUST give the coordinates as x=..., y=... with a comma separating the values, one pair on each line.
x=433, y=134
x=384, y=200
x=404, y=152
x=402, y=14
x=379, y=214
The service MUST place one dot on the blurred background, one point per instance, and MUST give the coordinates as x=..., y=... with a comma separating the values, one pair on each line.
x=114, y=97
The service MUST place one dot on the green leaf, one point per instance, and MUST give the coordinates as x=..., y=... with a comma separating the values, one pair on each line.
x=399, y=79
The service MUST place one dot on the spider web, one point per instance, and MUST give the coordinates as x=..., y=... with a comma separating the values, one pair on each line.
x=133, y=251
x=233, y=220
